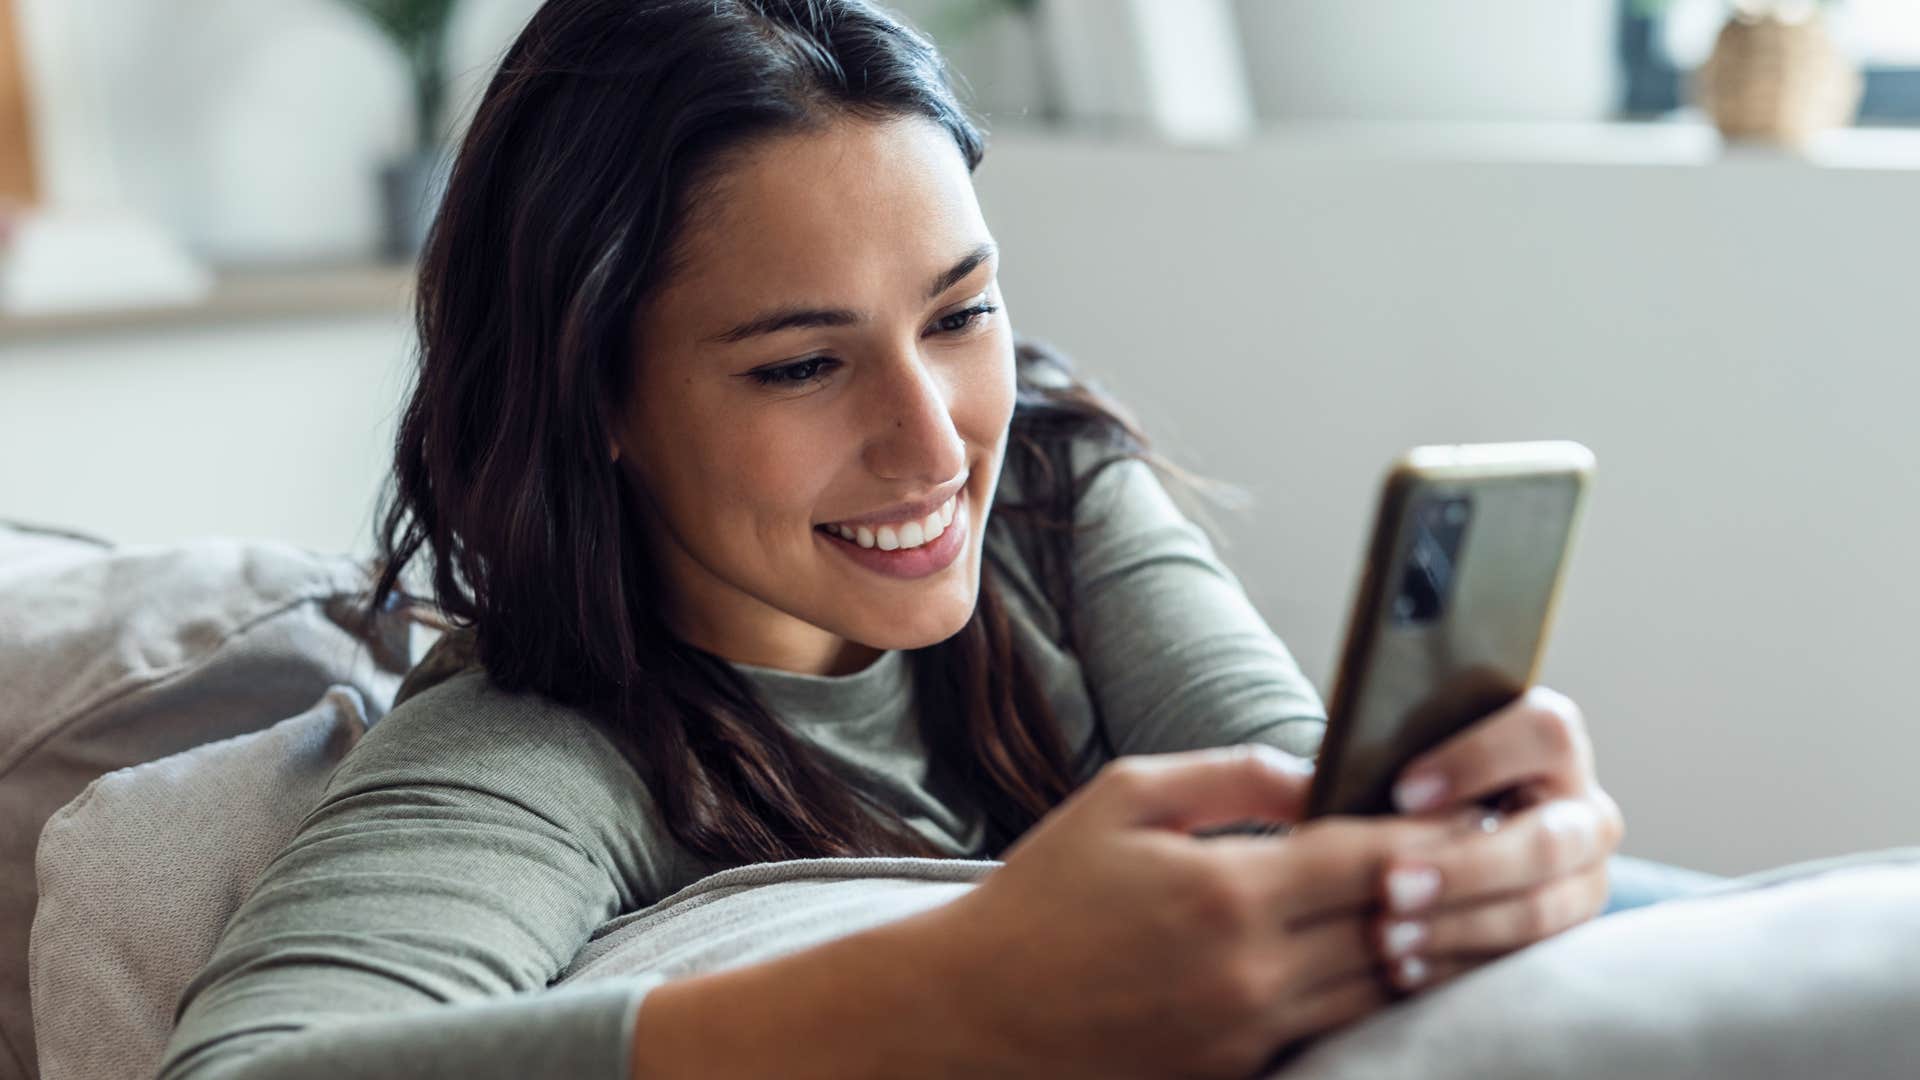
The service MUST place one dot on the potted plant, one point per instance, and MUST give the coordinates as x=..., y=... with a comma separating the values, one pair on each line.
x=1775, y=74
x=411, y=185
x=999, y=49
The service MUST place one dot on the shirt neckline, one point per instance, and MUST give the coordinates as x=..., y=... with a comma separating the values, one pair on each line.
x=831, y=697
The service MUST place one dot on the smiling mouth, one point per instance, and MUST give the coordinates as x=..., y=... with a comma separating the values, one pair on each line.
x=898, y=535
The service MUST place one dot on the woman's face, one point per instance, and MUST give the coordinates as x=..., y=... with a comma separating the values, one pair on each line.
x=833, y=349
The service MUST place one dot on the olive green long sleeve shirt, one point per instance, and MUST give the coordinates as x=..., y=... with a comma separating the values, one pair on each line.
x=469, y=845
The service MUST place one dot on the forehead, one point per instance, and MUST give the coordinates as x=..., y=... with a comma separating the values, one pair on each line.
x=852, y=207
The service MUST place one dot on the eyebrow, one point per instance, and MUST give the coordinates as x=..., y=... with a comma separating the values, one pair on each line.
x=796, y=317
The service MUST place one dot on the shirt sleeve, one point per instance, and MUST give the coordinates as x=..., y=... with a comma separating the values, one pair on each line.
x=412, y=927
x=1175, y=653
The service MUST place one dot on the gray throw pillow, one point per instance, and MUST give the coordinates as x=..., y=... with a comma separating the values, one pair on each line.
x=1811, y=970
x=115, y=655
x=139, y=875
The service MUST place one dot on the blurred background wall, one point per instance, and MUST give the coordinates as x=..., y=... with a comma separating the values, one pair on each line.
x=1297, y=237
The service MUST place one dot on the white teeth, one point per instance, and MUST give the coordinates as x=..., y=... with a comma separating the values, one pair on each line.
x=907, y=535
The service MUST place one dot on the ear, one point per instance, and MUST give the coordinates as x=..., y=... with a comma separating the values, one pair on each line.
x=613, y=450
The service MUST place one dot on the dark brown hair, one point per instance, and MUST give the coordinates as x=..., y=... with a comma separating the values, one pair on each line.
x=564, y=203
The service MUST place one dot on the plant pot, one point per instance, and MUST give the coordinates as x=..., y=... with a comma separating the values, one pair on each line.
x=1778, y=78
x=411, y=188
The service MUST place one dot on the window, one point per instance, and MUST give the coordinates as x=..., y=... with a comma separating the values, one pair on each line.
x=1660, y=42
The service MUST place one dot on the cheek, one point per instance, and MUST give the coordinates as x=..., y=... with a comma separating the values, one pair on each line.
x=983, y=404
x=760, y=479
x=724, y=480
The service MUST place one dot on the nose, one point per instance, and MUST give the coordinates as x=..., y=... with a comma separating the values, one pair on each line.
x=913, y=439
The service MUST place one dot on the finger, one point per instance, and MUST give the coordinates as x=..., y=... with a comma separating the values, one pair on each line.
x=1337, y=1004
x=1331, y=866
x=1532, y=847
x=1540, y=736
x=1192, y=789
x=1330, y=951
x=1410, y=974
x=1496, y=926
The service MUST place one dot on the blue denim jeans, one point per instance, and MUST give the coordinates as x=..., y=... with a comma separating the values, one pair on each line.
x=1635, y=882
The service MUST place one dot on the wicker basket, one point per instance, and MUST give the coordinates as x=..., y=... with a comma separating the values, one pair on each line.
x=1777, y=77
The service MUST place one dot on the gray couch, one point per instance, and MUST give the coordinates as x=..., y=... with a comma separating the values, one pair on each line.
x=152, y=697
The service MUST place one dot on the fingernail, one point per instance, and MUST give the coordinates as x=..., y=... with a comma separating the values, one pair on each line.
x=1412, y=888
x=1420, y=792
x=1404, y=936
x=1567, y=816
x=1413, y=971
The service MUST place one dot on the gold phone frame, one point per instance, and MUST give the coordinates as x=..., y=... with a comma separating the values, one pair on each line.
x=1419, y=469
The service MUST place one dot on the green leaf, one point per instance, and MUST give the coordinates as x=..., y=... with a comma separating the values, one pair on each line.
x=419, y=29
x=958, y=18
x=410, y=23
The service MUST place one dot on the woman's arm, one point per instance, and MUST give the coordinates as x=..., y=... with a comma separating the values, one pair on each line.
x=1173, y=649
x=1110, y=945
x=864, y=1005
x=464, y=852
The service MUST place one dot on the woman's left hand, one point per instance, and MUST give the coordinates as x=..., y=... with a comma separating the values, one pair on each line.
x=1505, y=880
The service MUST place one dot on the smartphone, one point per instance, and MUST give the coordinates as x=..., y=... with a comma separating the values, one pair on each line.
x=1468, y=552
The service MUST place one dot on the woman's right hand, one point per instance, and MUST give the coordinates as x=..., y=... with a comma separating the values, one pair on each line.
x=1113, y=943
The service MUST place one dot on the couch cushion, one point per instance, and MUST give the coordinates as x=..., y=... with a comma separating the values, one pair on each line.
x=115, y=655
x=1804, y=971
x=1810, y=970
x=139, y=875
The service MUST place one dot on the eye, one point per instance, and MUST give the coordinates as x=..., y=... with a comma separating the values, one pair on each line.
x=961, y=320
x=799, y=373
x=804, y=372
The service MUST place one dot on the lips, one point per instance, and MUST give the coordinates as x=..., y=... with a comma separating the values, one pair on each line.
x=901, y=513
x=928, y=557
x=890, y=536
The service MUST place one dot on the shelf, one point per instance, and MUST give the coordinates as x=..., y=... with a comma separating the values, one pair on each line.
x=243, y=295
x=1681, y=140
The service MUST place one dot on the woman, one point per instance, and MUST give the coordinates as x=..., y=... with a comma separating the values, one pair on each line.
x=767, y=539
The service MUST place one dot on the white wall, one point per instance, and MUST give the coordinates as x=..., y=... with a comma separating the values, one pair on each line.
x=1734, y=340
x=274, y=429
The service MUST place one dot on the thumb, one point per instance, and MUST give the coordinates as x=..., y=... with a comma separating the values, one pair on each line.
x=1219, y=785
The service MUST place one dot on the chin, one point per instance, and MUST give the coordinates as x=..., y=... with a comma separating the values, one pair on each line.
x=931, y=628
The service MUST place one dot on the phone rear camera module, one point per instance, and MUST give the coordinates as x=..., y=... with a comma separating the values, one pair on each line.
x=1426, y=582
